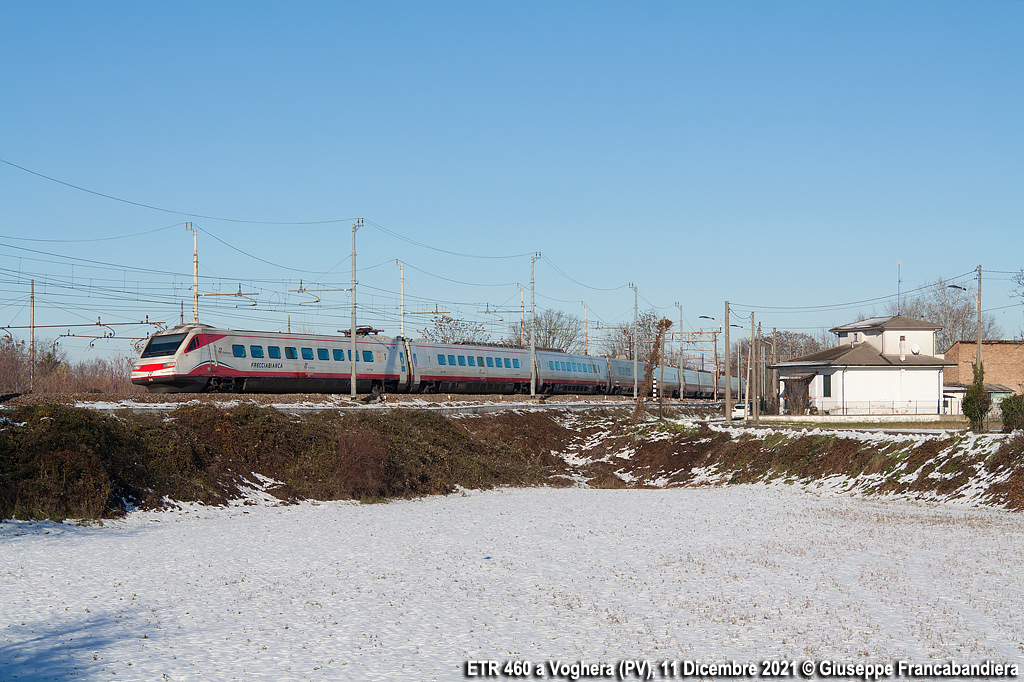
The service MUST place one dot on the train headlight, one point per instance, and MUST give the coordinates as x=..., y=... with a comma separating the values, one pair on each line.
x=168, y=364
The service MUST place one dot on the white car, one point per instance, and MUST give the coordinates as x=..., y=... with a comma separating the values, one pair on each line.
x=739, y=412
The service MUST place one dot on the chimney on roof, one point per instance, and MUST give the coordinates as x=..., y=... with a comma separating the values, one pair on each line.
x=903, y=349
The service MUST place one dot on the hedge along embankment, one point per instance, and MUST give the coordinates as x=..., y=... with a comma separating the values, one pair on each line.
x=978, y=469
x=61, y=462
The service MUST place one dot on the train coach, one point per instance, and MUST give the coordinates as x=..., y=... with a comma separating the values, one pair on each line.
x=194, y=358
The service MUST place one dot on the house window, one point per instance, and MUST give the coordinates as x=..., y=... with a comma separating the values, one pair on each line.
x=826, y=385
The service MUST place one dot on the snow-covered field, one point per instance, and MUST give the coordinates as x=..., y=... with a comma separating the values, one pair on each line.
x=410, y=590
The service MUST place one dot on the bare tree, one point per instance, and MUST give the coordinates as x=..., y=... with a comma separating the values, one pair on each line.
x=56, y=374
x=13, y=366
x=447, y=329
x=621, y=340
x=789, y=345
x=956, y=310
x=653, y=360
x=555, y=329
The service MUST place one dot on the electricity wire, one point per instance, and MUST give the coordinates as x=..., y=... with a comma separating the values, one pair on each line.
x=172, y=211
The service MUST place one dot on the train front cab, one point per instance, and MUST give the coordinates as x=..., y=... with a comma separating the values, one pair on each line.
x=159, y=369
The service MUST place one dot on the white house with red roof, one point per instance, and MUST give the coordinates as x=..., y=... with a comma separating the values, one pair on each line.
x=882, y=365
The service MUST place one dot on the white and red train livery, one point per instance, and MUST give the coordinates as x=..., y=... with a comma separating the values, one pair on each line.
x=193, y=358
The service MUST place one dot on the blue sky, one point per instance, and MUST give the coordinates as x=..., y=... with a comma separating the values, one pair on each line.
x=784, y=156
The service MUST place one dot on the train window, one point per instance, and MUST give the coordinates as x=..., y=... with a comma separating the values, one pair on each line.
x=472, y=361
x=163, y=345
x=515, y=362
x=508, y=364
x=339, y=354
x=462, y=360
x=367, y=356
x=451, y=359
x=290, y=352
x=256, y=351
x=415, y=362
x=575, y=367
x=192, y=345
x=480, y=360
x=551, y=364
x=274, y=352
x=490, y=362
x=440, y=360
x=307, y=353
x=584, y=368
x=238, y=350
x=563, y=366
x=322, y=354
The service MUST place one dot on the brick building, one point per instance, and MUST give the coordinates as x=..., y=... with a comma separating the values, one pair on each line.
x=1003, y=362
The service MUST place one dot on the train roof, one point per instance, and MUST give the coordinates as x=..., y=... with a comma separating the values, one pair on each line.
x=209, y=329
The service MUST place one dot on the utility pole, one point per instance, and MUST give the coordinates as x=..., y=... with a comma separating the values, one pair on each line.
x=636, y=360
x=661, y=381
x=533, y=330
x=32, y=337
x=681, y=382
x=978, y=358
x=774, y=376
x=586, y=342
x=352, y=332
x=195, y=273
x=728, y=379
x=760, y=377
x=401, y=304
x=750, y=358
x=522, y=318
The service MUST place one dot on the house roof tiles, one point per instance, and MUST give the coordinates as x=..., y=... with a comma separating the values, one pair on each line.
x=882, y=323
x=860, y=355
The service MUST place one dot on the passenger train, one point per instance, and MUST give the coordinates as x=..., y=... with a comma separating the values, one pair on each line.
x=193, y=358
